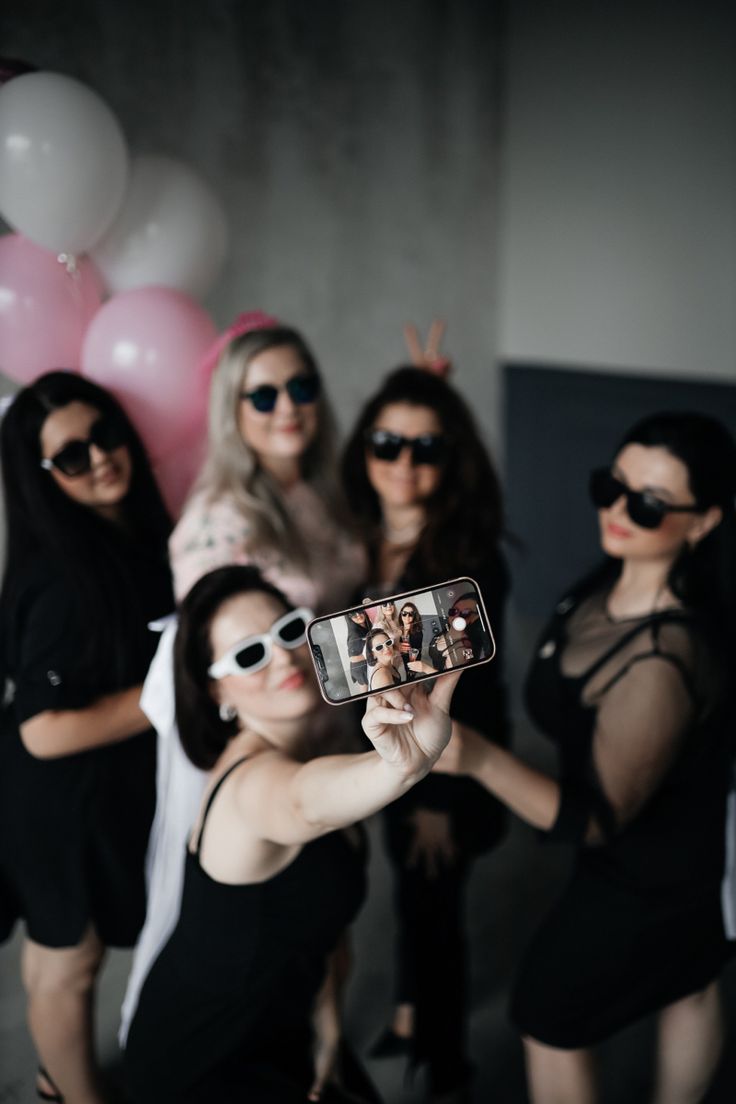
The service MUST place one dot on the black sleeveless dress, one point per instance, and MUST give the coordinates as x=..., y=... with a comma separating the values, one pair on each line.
x=224, y=1014
x=639, y=925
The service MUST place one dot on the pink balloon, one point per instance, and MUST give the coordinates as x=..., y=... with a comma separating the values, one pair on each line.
x=145, y=346
x=45, y=308
x=176, y=472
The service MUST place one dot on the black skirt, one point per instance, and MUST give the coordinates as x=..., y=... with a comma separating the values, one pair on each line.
x=607, y=955
x=73, y=838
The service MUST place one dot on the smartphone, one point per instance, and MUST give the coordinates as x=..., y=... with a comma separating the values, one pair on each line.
x=404, y=638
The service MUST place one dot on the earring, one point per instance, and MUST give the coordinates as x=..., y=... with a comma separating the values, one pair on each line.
x=227, y=712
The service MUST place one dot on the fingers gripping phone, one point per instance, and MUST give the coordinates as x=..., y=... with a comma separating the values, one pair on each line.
x=404, y=638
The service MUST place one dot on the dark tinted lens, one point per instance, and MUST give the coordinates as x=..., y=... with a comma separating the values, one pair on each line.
x=428, y=449
x=645, y=510
x=73, y=459
x=248, y=657
x=293, y=630
x=303, y=389
x=385, y=446
x=604, y=488
x=264, y=398
x=108, y=433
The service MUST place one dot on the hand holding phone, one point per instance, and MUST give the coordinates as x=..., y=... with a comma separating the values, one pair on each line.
x=442, y=628
x=409, y=728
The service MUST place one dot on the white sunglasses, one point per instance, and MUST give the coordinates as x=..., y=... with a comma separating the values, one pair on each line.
x=255, y=652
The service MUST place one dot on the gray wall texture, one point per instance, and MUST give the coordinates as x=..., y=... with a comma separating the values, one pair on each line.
x=353, y=146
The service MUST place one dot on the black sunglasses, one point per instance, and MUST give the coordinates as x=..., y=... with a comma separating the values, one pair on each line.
x=427, y=449
x=300, y=389
x=643, y=507
x=107, y=433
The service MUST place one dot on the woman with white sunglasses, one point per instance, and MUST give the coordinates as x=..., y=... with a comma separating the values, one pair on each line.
x=272, y=878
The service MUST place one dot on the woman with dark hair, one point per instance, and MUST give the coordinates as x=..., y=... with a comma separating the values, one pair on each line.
x=359, y=625
x=85, y=572
x=423, y=489
x=271, y=880
x=632, y=680
x=412, y=635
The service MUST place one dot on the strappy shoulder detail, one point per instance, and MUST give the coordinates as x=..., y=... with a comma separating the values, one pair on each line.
x=213, y=794
x=653, y=623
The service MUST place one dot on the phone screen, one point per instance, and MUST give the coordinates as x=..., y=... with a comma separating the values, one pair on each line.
x=400, y=639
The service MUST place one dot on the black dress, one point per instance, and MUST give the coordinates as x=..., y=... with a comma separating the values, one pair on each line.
x=224, y=1014
x=430, y=911
x=639, y=926
x=74, y=829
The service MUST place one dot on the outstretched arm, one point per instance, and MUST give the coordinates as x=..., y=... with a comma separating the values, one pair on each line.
x=640, y=725
x=288, y=802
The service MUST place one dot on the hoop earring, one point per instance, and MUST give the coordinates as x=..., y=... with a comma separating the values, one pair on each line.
x=227, y=712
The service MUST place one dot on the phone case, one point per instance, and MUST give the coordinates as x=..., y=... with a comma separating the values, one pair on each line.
x=320, y=665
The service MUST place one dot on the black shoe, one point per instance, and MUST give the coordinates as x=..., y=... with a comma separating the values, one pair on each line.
x=54, y=1095
x=390, y=1045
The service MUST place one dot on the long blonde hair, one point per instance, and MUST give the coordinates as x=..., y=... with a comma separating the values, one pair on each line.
x=231, y=468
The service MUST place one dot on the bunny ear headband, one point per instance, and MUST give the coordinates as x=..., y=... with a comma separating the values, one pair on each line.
x=428, y=357
x=243, y=324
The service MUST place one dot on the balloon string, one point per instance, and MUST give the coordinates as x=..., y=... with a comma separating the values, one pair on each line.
x=71, y=264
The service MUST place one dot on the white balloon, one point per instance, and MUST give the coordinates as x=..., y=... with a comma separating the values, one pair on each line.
x=170, y=231
x=63, y=161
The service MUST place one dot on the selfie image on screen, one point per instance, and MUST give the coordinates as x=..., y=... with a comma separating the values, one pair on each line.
x=397, y=640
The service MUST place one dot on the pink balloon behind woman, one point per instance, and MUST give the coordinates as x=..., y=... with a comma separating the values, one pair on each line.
x=145, y=346
x=44, y=308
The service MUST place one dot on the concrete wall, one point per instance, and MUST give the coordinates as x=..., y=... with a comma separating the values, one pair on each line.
x=353, y=146
x=618, y=215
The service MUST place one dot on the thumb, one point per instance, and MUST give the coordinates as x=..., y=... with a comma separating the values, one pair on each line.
x=443, y=689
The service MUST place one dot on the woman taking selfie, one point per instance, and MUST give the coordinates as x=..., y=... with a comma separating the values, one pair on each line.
x=632, y=681
x=422, y=487
x=271, y=879
x=85, y=571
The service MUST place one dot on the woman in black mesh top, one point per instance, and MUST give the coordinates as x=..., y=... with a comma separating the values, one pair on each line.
x=630, y=681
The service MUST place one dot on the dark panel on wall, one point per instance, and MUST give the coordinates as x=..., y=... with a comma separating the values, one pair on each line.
x=559, y=424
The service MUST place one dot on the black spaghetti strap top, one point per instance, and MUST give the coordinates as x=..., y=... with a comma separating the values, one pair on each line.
x=238, y=978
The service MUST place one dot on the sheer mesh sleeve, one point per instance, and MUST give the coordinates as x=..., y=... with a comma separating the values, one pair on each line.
x=641, y=722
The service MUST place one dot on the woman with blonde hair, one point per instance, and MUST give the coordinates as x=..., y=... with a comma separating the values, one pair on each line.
x=267, y=493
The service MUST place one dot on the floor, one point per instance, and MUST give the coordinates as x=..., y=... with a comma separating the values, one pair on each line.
x=508, y=892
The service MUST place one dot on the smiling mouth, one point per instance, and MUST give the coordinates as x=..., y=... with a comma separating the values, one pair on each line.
x=292, y=681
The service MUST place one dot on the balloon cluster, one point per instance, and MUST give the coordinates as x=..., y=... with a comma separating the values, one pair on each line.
x=110, y=255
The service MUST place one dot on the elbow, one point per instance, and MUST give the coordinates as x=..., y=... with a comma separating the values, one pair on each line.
x=36, y=740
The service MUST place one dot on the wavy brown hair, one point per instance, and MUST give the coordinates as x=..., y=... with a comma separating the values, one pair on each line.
x=465, y=514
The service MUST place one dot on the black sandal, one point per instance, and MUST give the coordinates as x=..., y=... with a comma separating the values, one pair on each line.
x=54, y=1095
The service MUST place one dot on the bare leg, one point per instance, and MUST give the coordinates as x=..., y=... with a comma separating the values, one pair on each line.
x=559, y=1076
x=690, y=1042
x=403, y=1021
x=59, y=984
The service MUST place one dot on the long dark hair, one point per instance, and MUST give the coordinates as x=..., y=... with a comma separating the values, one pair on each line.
x=204, y=735
x=702, y=577
x=357, y=630
x=465, y=513
x=88, y=550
